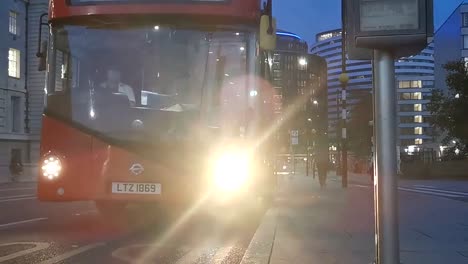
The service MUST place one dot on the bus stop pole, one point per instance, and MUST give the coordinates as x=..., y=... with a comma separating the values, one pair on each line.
x=385, y=195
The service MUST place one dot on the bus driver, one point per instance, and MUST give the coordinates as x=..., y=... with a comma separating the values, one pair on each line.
x=115, y=85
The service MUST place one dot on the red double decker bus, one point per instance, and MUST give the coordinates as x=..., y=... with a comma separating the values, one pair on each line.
x=157, y=100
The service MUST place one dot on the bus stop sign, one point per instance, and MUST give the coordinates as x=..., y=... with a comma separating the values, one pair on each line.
x=403, y=26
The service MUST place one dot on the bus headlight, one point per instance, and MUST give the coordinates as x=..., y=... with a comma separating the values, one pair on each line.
x=231, y=171
x=51, y=167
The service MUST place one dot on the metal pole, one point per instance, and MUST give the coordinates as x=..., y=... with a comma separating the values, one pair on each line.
x=344, y=81
x=386, y=198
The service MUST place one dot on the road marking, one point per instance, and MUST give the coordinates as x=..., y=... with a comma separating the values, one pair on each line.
x=15, y=189
x=423, y=186
x=360, y=186
x=24, y=222
x=70, y=254
x=18, y=199
x=430, y=192
x=16, y=196
x=221, y=255
x=37, y=246
x=442, y=191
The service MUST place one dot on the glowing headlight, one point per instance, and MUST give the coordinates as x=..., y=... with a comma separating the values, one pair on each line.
x=231, y=171
x=51, y=167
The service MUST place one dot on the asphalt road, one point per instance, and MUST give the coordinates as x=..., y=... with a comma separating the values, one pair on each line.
x=49, y=233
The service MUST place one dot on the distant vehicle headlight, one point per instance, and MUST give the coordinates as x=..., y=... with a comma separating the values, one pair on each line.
x=231, y=171
x=51, y=167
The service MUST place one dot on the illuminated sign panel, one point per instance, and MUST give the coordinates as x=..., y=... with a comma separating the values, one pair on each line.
x=93, y=2
x=383, y=15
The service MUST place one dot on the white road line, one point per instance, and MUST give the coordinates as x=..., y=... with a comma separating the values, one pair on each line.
x=37, y=246
x=361, y=186
x=429, y=192
x=221, y=255
x=423, y=186
x=18, y=199
x=15, y=189
x=442, y=191
x=24, y=222
x=191, y=257
x=70, y=254
x=17, y=196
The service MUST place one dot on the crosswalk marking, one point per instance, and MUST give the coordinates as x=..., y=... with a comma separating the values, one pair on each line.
x=71, y=253
x=37, y=246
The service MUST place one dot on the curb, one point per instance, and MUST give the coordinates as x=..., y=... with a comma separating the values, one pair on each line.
x=261, y=246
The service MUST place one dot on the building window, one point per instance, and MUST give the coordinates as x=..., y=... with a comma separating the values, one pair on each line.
x=418, y=107
x=15, y=114
x=13, y=26
x=418, y=141
x=418, y=119
x=416, y=84
x=406, y=119
x=409, y=84
x=411, y=96
x=14, y=63
x=465, y=41
x=404, y=84
x=465, y=19
x=418, y=130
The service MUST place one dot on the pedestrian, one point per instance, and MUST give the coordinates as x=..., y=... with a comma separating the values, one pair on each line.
x=16, y=167
x=322, y=168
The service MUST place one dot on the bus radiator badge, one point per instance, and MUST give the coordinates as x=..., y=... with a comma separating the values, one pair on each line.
x=136, y=169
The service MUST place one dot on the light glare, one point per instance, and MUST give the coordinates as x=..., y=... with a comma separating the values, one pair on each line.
x=231, y=171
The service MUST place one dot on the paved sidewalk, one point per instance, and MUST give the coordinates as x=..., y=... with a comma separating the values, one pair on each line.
x=309, y=225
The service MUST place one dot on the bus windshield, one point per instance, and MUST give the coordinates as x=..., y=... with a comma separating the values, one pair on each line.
x=111, y=80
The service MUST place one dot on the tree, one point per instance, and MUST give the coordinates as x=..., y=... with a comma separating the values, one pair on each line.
x=449, y=108
x=360, y=131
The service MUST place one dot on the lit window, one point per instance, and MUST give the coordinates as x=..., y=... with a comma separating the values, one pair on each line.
x=404, y=84
x=417, y=96
x=13, y=27
x=418, y=119
x=14, y=63
x=418, y=130
x=416, y=84
x=418, y=107
x=418, y=141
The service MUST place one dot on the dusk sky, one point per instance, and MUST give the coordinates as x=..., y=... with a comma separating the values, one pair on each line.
x=308, y=17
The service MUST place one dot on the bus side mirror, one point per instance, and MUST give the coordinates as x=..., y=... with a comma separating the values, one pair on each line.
x=42, y=45
x=42, y=55
x=267, y=32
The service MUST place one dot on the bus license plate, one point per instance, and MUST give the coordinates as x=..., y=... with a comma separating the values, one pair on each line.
x=136, y=188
